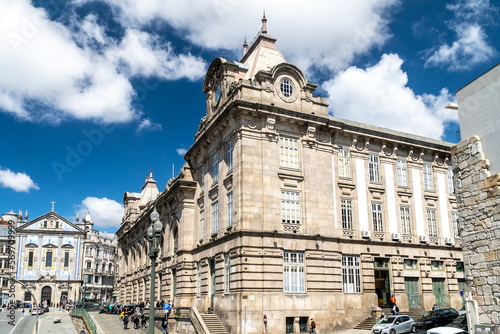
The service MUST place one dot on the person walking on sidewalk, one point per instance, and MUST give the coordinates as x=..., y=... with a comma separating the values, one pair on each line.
x=164, y=325
x=125, y=322
x=313, y=326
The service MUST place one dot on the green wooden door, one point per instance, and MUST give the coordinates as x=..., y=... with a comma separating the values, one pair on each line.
x=411, y=289
x=439, y=291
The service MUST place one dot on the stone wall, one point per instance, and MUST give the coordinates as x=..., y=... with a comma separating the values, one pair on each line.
x=479, y=225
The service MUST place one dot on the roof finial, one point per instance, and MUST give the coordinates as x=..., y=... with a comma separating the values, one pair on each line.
x=264, y=23
x=52, y=205
x=245, y=46
x=151, y=173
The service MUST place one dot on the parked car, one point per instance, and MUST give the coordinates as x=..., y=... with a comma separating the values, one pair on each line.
x=395, y=324
x=458, y=326
x=436, y=318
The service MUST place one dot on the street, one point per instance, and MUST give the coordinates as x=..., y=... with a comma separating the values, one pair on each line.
x=22, y=325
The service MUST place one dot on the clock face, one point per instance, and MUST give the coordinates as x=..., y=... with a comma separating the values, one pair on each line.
x=217, y=93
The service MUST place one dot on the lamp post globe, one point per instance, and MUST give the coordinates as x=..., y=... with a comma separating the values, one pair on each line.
x=153, y=236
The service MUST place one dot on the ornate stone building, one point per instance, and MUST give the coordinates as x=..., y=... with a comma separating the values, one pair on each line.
x=285, y=211
x=98, y=262
x=49, y=258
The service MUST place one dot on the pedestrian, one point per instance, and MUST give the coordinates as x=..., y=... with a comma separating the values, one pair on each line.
x=143, y=320
x=23, y=312
x=313, y=326
x=125, y=322
x=393, y=300
x=395, y=309
x=122, y=314
x=164, y=325
x=136, y=321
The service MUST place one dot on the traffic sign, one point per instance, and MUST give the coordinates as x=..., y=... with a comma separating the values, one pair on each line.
x=167, y=306
x=461, y=293
x=265, y=320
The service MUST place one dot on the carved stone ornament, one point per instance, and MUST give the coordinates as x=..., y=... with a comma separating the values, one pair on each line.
x=291, y=228
x=270, y=123
x=348, y=233
x=311, y=132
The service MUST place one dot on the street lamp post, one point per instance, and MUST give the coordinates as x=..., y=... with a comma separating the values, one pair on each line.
x=154, y=232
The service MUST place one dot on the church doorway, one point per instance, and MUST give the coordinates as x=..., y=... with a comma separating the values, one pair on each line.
x=46, y=294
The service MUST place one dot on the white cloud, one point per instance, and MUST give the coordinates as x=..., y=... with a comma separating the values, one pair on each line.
x=321, y=33
x=378, y=95
x=471, y=46
x=48, y=76
x=181, y=151
x=20, y=182
x=147, y=125
x=105, y=213
x=469, y=49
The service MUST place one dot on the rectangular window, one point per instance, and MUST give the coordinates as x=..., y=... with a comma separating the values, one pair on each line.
x=405, y=216
x=410, y=264
x=289, y=324
x=454, y=224
x=378, y=224
x=344, y=163
x=202, y=178
x=230, y=156
x=5, y=283
x=451, y=188
x=30, y=259
x=227, y=268
x=346, y=211
x=437, y=265
x=202, y=222
x=402, y=173
x=460, y=267
x=198, y=280
x=293, y=272
x=432, y=223
x=66, y=258
x=215, y=168
x=230, y=209
x=48, y=259
x=374, y=168
x=351, y=274
x=428, y=184
x=215, y=217
x=289, y=152
x=303, y=327
x=290, y=207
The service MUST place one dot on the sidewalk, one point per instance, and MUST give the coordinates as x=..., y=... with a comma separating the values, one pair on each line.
x=46, y=323
x=110, y=324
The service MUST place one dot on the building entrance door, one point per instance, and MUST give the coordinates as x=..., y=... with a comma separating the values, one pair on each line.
x=382, y=282
x=411, y=290
x=439, y=291
x=212, y=283
x=46, y=294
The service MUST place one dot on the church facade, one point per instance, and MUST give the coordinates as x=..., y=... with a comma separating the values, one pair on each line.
x=49, y=259
x=284, y=211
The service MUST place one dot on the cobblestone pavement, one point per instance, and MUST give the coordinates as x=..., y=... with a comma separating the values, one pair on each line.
x=110, y=324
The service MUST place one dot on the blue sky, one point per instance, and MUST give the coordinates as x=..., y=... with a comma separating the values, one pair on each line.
x=94, y=94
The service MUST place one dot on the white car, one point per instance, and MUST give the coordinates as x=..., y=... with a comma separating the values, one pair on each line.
x=36, y=310
x=395, y=324
x=458, y=326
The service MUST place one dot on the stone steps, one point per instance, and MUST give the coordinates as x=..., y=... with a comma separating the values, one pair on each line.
x=213, y=324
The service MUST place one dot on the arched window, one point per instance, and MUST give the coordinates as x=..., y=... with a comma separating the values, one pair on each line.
x=175, y=236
